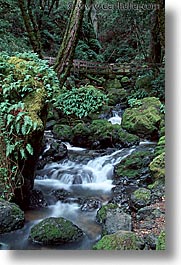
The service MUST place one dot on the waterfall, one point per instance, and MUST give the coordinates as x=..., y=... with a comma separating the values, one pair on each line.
x=97, y=173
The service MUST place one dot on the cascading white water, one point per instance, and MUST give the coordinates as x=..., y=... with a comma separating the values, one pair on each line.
x=116, y=119
x=95, y=174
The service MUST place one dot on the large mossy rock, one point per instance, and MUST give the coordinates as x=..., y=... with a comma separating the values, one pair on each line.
x=157, y=166
x=32, y=83
x=11, y=217
x=143, y=120
x=97, y=134
x=122, y=240
x=102, y=134
x=135, y=165
x=113, y=219
x=53, y=231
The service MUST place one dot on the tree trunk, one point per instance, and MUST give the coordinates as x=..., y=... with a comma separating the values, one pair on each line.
x=31, y=26
x=157, y=33
x=64, y=59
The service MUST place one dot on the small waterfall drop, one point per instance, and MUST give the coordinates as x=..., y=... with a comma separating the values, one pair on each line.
x=95, y=174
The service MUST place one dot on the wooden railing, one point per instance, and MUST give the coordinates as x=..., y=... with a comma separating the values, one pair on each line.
x=81, y=66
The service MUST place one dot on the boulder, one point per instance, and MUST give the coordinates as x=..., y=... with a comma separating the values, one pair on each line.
x=11, y=217
x=141, y=197
x=157, y=166
x=63, y=132
x=143, y=120
x=122, y=240
x=113, y=219
x=53, y=231
x=102, y=134
x=135, y=165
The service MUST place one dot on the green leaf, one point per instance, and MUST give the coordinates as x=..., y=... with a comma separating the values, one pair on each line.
x=29, y=148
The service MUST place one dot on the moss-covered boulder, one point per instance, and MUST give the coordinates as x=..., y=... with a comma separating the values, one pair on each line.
x=113, y=219
x=11, y=217
x=52, y=231
x=135, y=165
x=157, y=166
x=143, y=120
x=161, y=242
x=141, y=197
x=109, y=135
x=122, y=240
x=63, y=132
x=160, y=148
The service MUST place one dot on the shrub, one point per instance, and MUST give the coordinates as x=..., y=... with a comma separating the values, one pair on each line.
x=80, y=101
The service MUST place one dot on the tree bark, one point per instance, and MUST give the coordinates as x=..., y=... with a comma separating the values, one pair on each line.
x=64, y=59
x=31, y=26
x=157, y=34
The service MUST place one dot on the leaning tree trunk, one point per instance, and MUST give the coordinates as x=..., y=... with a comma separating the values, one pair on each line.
x=64, y=59
x=31, y=26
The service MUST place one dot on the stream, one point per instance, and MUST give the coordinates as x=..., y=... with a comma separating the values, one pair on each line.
x=83, y=183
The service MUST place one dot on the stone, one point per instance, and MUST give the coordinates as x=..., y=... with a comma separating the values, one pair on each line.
x=113, y=219
x=157, y=166
x=11, y=217
x=37, y=200
x=63, y=132
x=143, y=120
x=135, y=165
x=122, y=240
x=53, y=231
x=141, y=197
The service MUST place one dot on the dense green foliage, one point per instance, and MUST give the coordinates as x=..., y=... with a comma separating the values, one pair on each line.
x=80, y=101
x=20, y=76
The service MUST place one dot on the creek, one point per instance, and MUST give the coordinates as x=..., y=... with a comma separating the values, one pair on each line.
x=82, y=182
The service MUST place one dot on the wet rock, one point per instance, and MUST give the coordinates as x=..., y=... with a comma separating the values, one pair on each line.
x=53, y=231
x=122, y=240
x=37, y=200
x=135, y=167
x=11, y=217
x=90, y=205
x=56, y=151
x=61, y=194
x=112, y=219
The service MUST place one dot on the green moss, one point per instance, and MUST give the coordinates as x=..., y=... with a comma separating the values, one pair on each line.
x=63, y=132
x=116, y=96
x=125, y=79
x=160, y=148
x=102, y=212
x=122, y=240
x=142, y=194
x=55, y=231
x=34, y=103
x=133, y=165
x=143, y=120
x=161, y=243
x=157, y=166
